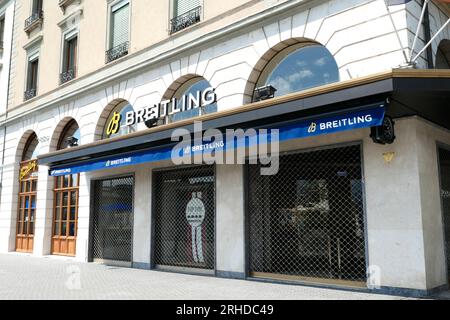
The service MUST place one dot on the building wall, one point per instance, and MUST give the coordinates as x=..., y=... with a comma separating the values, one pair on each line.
x=225, y=49
x=6, y=11
x=439, y=14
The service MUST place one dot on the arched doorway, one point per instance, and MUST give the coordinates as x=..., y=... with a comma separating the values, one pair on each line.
x=27, y=196
x=66, y=194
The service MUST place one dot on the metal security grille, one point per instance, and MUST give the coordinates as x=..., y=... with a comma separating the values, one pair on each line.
x=307, y=222
x=113, y=219
x=444, y=159
x=184, y=213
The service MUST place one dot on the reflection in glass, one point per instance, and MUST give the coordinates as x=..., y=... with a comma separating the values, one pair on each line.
x=199, y=85
x=304, y=68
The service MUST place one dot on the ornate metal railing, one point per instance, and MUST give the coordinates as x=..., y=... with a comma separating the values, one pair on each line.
x=117, y=52
x=34, y=19
x=185, y=20
x=67, y=75
x=1, y=45
x=29, y=94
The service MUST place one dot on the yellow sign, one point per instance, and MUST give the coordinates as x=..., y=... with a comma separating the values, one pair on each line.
x=29, y=167
x=114, y=124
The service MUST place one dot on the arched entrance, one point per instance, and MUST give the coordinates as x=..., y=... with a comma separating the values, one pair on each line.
x=27, y=196
x=66, y=190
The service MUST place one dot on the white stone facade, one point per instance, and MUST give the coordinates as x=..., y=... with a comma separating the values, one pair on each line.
x=365, y=37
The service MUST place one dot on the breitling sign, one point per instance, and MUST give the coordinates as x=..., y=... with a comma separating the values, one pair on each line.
x=152, y=113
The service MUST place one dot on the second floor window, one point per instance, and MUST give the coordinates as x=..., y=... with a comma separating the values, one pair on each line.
x=185, y=14
x=69, y=59
x=37, y=6
x=119, y=31
x=2, y=31
x=32, y=78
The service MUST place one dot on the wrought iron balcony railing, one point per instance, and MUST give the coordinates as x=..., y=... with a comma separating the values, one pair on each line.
x=34, y=19
x=117, y=52
x=185, y=20
x=67, y=76
x=1, y=44
x=29, y=94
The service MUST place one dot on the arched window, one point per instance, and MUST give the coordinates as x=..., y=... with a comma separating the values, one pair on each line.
x=31, y=150
x=192, y=86
x=65, y=213
x=443, y=55
x=70, y=136
x=119, y=112
x=299, y=67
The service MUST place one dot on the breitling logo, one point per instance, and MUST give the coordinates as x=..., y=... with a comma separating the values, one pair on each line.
x=312, y=128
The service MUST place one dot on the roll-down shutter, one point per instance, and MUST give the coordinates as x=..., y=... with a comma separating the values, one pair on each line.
x=183, y=6
x=119, y=24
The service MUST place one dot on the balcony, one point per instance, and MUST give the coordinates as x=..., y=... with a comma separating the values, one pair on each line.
x=29, y=94
x=117, y=52
x=34, y=21
x=185, y=20
x=67, y=76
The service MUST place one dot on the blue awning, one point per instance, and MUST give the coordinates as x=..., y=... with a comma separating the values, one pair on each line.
x=371, y=116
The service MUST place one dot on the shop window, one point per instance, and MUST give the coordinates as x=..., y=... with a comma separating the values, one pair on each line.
x=298, y=68
x=307, y=222
x=443, y=55
x=185, y=14
x=185, y=218
x=119, y=31
x=27, y=196
x=115, y=124
x=65, y=214
x=194, y=87
x=69, y=60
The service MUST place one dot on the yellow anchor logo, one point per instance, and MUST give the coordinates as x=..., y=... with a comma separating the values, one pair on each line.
x=114, y=124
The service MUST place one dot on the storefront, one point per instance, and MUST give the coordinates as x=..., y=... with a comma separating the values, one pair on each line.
x=317, y=220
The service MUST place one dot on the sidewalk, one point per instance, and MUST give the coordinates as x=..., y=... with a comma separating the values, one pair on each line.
x=24, y=277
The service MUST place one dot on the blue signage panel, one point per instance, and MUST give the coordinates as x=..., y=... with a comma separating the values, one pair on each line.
x=366, y=118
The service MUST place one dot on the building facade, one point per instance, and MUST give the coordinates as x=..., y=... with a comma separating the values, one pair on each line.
x=96, y=88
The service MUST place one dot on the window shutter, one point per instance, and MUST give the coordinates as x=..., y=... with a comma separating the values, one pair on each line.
x=119, y=25
x=183, y=6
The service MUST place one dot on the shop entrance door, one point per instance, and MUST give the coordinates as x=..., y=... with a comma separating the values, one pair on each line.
x=27, y=206
x=112, y=227
x=444, y=160
x=307, y=222
x=184, y=213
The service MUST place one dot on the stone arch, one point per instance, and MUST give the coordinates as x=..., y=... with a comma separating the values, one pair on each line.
x=23, y=144
x=267, y=57
x=101, y=123
x=443, y=55
x=177, y=84
x=59, y=130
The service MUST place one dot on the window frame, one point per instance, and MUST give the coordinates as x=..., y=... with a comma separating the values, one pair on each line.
x=279, y=57
x=111, y=5
x=66, y=37
x=32, y=56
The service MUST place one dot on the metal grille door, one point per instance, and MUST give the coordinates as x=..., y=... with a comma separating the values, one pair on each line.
x=307, y=222
x=444, y=159
x=113, y=219
x=185, y=217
